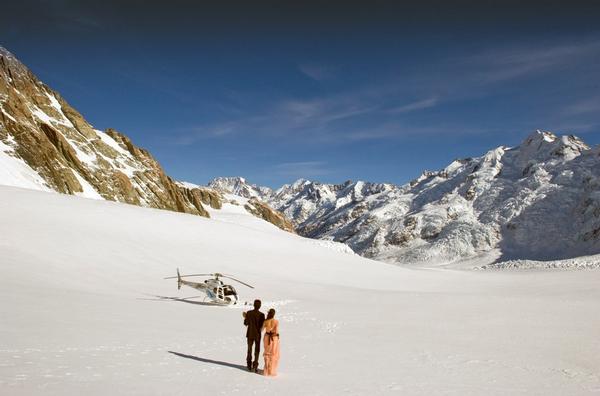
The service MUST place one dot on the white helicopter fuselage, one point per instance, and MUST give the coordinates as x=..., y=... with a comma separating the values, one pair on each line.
x=216, y=291
x=219, y=292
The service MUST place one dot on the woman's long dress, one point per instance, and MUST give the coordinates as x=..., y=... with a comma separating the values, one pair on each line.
x=271, y=343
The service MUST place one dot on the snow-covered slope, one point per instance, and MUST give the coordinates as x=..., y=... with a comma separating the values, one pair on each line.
x=227, y=204
x=539, y=200
x=85, y=311
x=15, y=172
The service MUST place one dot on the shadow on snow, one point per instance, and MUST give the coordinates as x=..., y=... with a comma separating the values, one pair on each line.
x=185, y=300
x=204, y=360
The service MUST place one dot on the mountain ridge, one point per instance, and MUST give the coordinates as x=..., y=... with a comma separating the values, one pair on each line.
x=510, y=203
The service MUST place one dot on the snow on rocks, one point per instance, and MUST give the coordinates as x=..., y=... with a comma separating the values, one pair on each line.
x=238, y=186
x=533, y=201
x=575, y=263
x=15, y=172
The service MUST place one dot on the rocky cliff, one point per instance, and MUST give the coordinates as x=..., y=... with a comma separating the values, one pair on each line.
x=45, y=144
x=42, y=131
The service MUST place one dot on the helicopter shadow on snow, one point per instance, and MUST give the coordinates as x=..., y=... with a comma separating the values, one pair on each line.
x=211, y=361
x=187, y=300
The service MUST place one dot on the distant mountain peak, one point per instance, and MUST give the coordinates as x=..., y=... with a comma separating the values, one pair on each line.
x=300, y=182
x=239, y=186
x=540, y=134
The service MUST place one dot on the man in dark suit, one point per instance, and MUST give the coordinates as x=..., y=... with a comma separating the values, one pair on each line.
x=254, y=321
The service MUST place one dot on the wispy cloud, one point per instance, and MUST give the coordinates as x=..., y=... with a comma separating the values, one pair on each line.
x=320, y=111
x=191, y=135
x=395, y=129
x=417, y=105
x=502, y=64
x=344, y=117
x=316, y=71
x=585, y=106
x=401, y=106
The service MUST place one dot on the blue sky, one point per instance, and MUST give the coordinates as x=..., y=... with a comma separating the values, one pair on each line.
x=275, y=92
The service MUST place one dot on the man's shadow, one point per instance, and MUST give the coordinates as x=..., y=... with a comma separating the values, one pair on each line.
x=204, y=360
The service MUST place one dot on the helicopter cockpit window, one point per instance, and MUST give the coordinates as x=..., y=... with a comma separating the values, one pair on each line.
x=229, y=290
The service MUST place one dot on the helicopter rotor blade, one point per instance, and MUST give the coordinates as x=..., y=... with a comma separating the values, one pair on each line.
x=239, y=281
x=183, y=276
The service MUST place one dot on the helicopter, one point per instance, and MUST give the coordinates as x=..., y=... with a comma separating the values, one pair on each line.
x=216, y=291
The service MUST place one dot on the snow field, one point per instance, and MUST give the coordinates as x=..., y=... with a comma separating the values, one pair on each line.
x=84, y=311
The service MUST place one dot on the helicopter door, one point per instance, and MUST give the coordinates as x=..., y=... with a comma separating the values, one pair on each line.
x=211, y=293
x=220, y=294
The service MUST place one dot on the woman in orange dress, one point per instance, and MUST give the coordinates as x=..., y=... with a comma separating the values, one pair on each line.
x=271, y=343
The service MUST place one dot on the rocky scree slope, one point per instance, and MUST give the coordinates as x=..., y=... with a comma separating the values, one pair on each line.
x=45, y=144
x=539, y=200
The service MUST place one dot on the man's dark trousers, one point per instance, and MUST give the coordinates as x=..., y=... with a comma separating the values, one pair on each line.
x=254, y=320
x=256, y=343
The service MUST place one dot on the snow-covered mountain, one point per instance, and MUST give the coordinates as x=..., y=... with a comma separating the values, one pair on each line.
x=239, y=186
x=539, y=200
x=47, y=145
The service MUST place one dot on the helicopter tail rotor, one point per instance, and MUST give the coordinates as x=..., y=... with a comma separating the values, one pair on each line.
x=178, y=280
